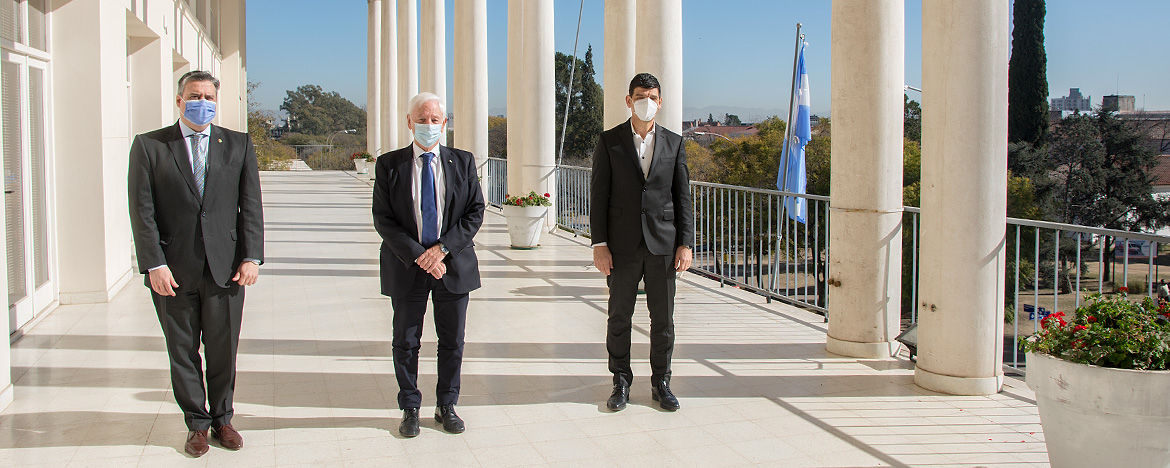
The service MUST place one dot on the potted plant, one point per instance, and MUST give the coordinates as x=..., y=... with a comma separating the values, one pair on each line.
x=526, y=218
x=362, y=160
x=1102, y=384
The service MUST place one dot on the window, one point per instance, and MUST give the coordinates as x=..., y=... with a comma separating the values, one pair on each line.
x=23, y=22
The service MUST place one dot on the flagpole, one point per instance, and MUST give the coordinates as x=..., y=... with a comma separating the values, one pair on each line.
x=783, y=212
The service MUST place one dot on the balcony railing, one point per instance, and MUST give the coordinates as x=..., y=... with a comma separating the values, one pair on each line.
x=496, y=180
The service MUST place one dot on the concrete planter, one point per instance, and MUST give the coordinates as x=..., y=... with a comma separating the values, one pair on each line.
x=1097, y=416
x=362, y=166
x=524, y=225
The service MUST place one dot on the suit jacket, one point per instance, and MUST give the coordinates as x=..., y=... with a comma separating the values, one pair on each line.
x=393, y=209
x=628, y=207
x=174, y=226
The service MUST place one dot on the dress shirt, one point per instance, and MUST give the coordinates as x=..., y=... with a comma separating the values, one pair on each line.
x=416, y=185
x=645, y=147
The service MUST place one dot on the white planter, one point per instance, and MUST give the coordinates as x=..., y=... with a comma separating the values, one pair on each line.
x=362, y=166
x=525, y=224
x=1097, y=416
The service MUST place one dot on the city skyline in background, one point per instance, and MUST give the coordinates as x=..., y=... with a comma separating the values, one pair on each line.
x=736, y=60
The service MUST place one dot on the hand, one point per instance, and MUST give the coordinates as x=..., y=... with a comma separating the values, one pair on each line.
x=247, y=274
x=682, y=258
x=162, y=281
x=439, y=270
x=602, y=259
x=431, y=257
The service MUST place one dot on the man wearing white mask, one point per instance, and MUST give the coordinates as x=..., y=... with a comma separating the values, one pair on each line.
x=643, y=230
x=427, y=207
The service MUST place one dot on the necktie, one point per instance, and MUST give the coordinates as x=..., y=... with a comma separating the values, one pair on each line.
x=199, y=162
x=430, y=214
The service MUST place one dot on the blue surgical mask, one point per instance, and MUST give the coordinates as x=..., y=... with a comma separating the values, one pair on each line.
x=199, y=112
x=427, y=134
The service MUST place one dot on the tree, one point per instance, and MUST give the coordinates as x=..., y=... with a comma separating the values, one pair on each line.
x=710, y=119
x=269, y=153
x=313, y=111
x=585, y=108
x=702, y=163
x=497, y=137
x=912, y=120
x=731, y=119
x=752, y=161
x=1027, y=78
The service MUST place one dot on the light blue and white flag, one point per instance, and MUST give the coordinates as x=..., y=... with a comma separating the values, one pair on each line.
x=797, y=177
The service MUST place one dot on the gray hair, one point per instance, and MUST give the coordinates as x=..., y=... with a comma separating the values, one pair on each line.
x=197, y=75
x=423, y=98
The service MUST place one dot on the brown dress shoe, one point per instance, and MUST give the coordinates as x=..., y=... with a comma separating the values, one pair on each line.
x=228, y=437
x=196, y=443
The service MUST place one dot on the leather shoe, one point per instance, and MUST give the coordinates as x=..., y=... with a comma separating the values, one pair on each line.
x=409, y=425
x=228, y=437
x=621, y=395
x=196, y=443
x=451, y=422
x=661, y=393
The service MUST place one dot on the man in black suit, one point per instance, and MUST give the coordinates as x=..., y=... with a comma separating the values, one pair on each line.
x=427, y=208
x=198, y=226
x=643, y=230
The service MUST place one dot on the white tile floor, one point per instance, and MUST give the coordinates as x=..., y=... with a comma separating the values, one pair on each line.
x=316, y=387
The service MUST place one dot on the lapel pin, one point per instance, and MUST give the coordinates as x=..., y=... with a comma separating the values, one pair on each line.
x=219, y=140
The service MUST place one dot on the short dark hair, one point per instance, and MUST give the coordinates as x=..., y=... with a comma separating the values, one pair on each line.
x=197, y=75
x=643, y=80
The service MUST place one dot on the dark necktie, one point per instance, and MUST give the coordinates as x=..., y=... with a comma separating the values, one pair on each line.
x=430, y=214
x=199, y=161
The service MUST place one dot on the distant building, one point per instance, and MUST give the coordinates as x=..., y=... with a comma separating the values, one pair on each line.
x=1074, y=102
x=708, y=133
x=1117, y=103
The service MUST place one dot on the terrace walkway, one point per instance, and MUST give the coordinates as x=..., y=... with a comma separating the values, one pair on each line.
x=316, y=388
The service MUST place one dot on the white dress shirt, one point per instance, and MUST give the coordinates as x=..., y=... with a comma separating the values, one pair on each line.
x=203, y=142
x=645, y=147
x=416, y=185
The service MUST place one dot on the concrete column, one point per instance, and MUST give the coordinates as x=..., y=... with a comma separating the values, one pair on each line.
x=91, y=141
x=964, y=191
x=388, y=79
x=233, y=89
x=373, y=80
x=659, y=52
x=516, y=93
x=865, y=218
x=620, y=34
x=471, y=81
x=407, y=63
x=532, y=168
x=432, y=73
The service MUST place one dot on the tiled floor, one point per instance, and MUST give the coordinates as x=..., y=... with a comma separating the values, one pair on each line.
x=316, y=387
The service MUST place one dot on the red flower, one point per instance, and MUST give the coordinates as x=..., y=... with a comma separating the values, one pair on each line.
x=1079, y=328
x=1123, y=289
x=1051, y=318
x=1092, y=318
x=1078, y=343
x=546, y=195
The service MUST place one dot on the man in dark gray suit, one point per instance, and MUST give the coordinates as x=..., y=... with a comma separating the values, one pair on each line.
x=643, y=230
x=427, y=208
x=198, y=226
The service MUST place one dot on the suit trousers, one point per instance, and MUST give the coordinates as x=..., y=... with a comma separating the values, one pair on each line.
x=657, y=271
x=211, y=314
x=450, y=312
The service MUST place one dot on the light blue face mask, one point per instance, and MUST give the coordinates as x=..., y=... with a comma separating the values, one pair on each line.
x=199, y=112
x=427, y=134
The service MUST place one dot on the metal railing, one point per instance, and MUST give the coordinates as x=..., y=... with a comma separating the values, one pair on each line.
x=495, y=177
x=573, y=198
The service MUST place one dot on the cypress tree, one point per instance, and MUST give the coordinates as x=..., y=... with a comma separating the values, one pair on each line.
x=1027, y=75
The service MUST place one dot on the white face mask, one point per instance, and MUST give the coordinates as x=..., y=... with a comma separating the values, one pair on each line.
x=427, y=134
x=645, y=109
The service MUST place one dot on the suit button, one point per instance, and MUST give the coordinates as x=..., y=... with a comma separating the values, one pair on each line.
x=643, y=189
x=643, y=211
x=203, y=214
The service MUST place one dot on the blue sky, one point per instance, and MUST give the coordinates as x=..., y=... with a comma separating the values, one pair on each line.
x=736, y=53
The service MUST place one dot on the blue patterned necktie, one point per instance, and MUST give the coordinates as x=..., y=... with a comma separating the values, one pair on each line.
x=199, y=162
x=430, y=214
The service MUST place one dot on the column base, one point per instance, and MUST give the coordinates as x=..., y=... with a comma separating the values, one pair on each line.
x=880, y=350
x=6, y=396
x=958, y=385
x=97, y=297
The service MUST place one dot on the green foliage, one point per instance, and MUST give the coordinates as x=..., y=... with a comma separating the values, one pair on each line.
x=752, y=161
x=314, y=111
x=912, y=120
x=731, y=119
x=702, y=164
x=532, y=199
x=1108, y=332
x=270, y=155
x=817, y=158
x=585, y=108
x=1027, y=75
x=497, y=137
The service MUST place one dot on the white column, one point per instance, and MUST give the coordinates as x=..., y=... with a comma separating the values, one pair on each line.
x=471, y=90
x=531, y=167
x=432, y=73
x=964, y=191
x=373, y=80
x=407, y=63
x=620, y=34
x=233, y=77
x=865, y=218
x=659, y=52
x=388, y=79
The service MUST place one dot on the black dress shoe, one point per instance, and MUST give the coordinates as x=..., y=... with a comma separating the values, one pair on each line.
x=409, y=425
x=662, y=394
x=621, y=395
x=451, y=423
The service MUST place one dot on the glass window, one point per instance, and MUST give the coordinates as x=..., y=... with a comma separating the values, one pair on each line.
x=13, y=182
x=9, y=26
x=40, y=203
x=36, y=24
